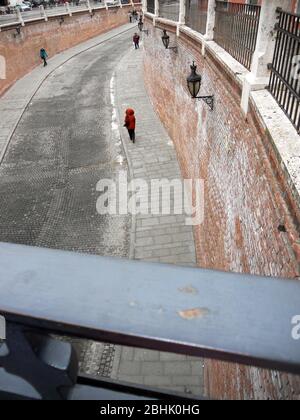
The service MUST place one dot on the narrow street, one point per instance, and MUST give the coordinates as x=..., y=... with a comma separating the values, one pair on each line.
x=69, y=138
x=62, y=147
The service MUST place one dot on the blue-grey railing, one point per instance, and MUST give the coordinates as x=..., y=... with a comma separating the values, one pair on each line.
x=205, y=313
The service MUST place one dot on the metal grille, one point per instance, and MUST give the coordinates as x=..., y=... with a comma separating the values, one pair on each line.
x=169, y=9
x=196, y=15
x=285, y=69
x=236, y=30
x=151, y=6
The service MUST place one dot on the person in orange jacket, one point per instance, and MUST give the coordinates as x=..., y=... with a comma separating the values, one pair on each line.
x=130, y=123
x=136, y=41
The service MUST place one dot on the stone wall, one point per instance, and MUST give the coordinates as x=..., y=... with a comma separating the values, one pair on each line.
x=247, y=197
x=21, y=51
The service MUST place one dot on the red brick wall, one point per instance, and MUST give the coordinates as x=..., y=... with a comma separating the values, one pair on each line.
x=22, y=52
x=243, y=187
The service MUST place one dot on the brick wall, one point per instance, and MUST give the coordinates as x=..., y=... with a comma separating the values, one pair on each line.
x=246, y=196
x=22, y=51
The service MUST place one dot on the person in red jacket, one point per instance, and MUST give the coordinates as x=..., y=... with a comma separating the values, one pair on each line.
x=136, y=41
x=130, y=123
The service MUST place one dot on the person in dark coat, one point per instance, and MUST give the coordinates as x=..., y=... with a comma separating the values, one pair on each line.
x=44, y=56
x=130, y=123
x=136, y=40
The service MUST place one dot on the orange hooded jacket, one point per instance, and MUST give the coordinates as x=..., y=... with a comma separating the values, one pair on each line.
x=130, y=119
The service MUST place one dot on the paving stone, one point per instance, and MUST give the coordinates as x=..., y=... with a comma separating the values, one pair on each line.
x=178, y=368
x=180, y=380
x=167, y=357
x=197, y=368
x=146, y=355
x=152, y=368
x=136, y=379
x=144, y=241
x=163, y=239
x=150, y=222
x=127, y=353
x=130, y=368
x=158, y=381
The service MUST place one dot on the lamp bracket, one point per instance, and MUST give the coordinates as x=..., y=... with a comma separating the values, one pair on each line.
x=209, y=100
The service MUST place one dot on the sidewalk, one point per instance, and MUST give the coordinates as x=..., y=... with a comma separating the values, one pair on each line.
x=163, y=239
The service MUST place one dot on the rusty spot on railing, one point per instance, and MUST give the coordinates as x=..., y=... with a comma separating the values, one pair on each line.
x=193, y=313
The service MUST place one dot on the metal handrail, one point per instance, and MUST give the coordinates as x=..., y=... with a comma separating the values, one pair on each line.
x=206, y=313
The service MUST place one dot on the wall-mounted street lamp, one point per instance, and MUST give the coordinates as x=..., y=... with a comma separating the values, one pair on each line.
x=141, y=25
x=61, y=20
x=194, y=85
x=166, y=41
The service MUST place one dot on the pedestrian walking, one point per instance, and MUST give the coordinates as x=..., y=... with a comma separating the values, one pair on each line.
x=136, y=41
x=130, y=123
x=44, y=56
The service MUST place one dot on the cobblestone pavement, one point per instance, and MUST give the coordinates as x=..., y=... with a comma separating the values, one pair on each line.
x=63, y=144
x=163, y=239
x=61, y=147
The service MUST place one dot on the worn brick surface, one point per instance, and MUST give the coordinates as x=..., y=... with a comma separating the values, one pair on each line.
x=245, y=198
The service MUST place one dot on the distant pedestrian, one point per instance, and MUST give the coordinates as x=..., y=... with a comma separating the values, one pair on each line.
x=130, y=123
x=136, y=41
x=44, y=56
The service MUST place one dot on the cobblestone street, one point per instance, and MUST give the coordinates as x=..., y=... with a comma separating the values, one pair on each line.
x=61, y=146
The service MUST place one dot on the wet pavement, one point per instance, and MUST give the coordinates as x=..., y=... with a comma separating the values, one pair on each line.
x=61, y=148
